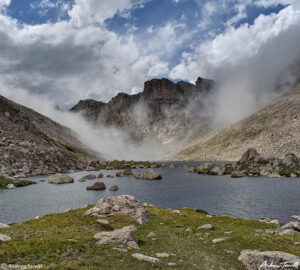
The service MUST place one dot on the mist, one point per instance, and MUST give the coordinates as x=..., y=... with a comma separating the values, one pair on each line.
x=109, y=142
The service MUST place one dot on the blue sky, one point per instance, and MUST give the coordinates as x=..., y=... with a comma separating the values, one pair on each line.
x=67, y=50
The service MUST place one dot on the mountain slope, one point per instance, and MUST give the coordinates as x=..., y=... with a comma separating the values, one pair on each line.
x=162, y=111
x=274, y=131
x=31, y=143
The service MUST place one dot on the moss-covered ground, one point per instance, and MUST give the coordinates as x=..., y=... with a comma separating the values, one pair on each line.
x=19, y=183
x=65, y=241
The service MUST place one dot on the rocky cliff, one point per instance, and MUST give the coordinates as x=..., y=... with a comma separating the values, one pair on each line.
x=31, y=143
x=273, y=131
x=163, y=110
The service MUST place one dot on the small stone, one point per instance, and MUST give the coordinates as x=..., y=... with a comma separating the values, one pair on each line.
x=67, y=210
x=151, y=234
x=275, y=221
x=103, y=223
x=176, y=211
x=229, y=232
x=37, y=217
x=10, y=186
x=120, y=249
x=206, y=227
x=100, y=175
x=209, y=216
x=133, y=245
x=145, y=258
x=189, y=229
x=297, y=243
x=162, y=255
x=171, y=264
x=218, y=240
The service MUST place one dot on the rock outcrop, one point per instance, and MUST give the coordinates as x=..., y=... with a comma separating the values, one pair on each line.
x=60, y=179
x=123, y=204
x=4, y=238
x=254, y=259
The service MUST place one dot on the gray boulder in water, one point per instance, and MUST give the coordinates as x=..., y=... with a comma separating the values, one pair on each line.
x=60, y=179
x=254, y=259
x=97, y=186
x=123, y=204
x=149, y=174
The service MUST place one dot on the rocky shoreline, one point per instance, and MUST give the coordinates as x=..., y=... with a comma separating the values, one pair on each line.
x=253, y=164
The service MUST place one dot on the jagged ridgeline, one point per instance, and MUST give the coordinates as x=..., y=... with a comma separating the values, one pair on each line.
x=31, y=143
x=165, y=110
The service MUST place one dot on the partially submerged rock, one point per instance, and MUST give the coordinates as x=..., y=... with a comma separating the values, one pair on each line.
x=122, y=236
x=87, y=177
x=123, y=204
x=100, y=175
x=114, y=188
x=149, y=174
x=237, y=174
x=97, y=186
x=254, y=259
x=60, y=179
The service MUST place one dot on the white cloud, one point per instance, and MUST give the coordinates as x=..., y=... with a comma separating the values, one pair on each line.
x=248, y=61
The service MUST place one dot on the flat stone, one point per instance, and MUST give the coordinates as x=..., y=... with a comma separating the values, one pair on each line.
x=287, y=231
x=162, y=255
x=67, y=210
x=123, y=236
x=145, y=258
x=295, y=217
x=176, y=211
x=218, y=240
x=206, y=227
x=171, y=264
x=120, y=249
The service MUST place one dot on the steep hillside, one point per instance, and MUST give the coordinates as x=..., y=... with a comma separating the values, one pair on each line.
x=31, y=143
x=164, y=110
x=274, y=131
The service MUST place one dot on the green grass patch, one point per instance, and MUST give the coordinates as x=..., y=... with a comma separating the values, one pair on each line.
x=19, y=183
x=65, y=241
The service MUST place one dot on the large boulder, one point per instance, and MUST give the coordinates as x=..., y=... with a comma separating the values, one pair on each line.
x=249, y=156
x=123, y=236
x=149, y=174
x=254, y=259
x=97, y=186
x=123, y=204
x=60, y=179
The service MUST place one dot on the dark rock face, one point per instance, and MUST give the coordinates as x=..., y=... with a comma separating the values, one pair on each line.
x=157, y=111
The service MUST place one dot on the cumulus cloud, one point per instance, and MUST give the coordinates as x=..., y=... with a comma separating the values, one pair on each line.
x=247, y=61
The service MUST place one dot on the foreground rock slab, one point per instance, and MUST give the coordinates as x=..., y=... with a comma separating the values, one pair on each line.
x=60, y=179
x=123, y=204
x=254, y=259
x=4, y=238
x=145, y=258
x=123, y=236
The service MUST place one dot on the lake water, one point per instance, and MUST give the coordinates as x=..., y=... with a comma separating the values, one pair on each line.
x=221, y=195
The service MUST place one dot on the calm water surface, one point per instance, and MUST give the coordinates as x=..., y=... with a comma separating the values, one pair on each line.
x=221, y=195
